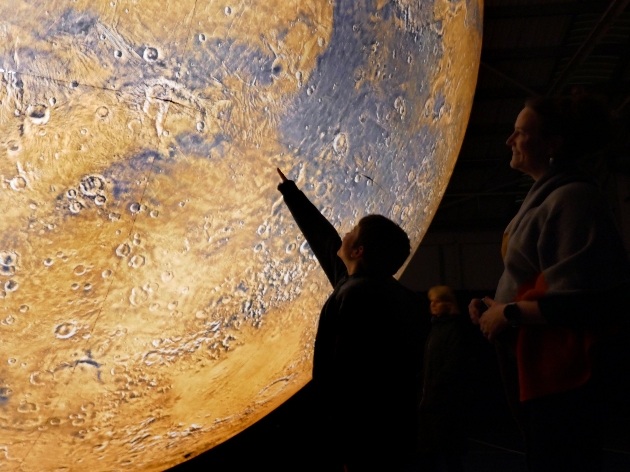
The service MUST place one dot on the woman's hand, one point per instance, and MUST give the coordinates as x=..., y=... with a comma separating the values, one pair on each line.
x=492, y=322
x=476, y=308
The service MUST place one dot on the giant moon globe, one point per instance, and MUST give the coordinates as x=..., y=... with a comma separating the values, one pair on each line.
x=156, y=296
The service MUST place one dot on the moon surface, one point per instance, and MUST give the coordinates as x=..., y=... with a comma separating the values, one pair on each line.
x=156, y=296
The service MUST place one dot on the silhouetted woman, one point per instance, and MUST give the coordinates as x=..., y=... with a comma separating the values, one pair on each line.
x=565, y=273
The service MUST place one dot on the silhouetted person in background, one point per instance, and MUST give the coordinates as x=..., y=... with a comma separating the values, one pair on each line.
x=441, y=435
x=565, y=279
x=367, y=346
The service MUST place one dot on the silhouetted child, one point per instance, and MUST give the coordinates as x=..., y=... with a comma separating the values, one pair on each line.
x=368, y=343
x=441, y=426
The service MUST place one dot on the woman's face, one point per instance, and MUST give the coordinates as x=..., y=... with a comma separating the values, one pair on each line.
x=531, y=151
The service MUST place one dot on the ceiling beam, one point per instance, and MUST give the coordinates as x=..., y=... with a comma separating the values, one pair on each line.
x=542, y=9
x=545, y=52
x=512, y=92
x=482, y=193
x=489, y=129
x=500, y=93
x=613, y=11
x=511, y=80
x=462, y=160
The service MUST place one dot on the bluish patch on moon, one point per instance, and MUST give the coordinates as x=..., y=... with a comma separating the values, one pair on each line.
x=143, y=163
x=217, y=57
x=370, y=111
x=193, y=144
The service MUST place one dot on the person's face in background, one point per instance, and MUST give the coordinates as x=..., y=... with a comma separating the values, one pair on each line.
x=438, y=307
x=531, y=151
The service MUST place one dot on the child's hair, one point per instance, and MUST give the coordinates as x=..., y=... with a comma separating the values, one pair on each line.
x=385, y=245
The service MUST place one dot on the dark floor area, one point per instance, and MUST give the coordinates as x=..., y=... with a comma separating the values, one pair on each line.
x=282, y=441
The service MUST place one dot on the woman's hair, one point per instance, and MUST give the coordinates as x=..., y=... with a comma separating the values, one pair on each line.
x=385, y=245
x=445, y=294
x=581, y=121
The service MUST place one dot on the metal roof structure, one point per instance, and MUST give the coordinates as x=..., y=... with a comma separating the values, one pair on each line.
x=535, y=48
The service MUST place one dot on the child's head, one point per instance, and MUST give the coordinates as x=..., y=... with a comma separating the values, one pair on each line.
x=385, y=245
